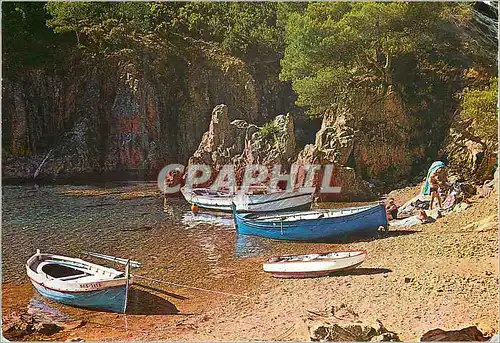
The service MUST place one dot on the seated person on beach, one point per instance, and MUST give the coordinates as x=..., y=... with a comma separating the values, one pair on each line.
x=391, y=209
x=423, y=217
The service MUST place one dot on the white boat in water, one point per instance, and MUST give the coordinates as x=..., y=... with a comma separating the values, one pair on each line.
x=313, y=265
x=208, y=199
x=269, y=202
x=76, y=282
x=273, y=202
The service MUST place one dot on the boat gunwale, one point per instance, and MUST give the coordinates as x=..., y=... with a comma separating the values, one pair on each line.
x=31, y=261
x=191, y=192
x=250, y=216
x=362, y=252
x=81, y=291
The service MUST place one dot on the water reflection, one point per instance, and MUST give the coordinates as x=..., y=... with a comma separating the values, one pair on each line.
x=131, y=221
x=40, y=309
x=251, y=246
x=245, y=246
x=193, y=219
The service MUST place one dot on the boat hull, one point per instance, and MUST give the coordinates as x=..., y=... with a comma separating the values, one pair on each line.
x=364, y=222
x=306, y=274
x=246, y=203
x=303, y=268
x=111, y=299
x=273, y=202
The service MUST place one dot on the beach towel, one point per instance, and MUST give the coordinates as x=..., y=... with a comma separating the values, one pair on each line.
x=426, y=188
x=410, y=221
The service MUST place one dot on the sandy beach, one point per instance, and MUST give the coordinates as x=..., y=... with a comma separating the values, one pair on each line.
x=437, y=275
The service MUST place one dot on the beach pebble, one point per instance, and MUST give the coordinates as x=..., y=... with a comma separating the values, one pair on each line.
x=408, y=279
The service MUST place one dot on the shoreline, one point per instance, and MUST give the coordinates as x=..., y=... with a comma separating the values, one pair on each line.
x=436, y=275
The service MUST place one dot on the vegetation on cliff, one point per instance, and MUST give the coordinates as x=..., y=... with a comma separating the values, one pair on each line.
x=480, y=105
x=334, y=49
x=396, y=67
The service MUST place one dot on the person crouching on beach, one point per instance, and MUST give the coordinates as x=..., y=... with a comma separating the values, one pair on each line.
x=391, y=208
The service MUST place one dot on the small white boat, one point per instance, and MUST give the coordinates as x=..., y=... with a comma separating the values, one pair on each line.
x=313, y=265
x=208, y=199
x=76, y=282
x=273, y=202
x=212, y=200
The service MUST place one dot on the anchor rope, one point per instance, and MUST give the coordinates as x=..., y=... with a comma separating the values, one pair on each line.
x=185, y=286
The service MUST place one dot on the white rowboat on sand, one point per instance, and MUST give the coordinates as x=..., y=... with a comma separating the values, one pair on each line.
x=76, y=282
x=313, y=265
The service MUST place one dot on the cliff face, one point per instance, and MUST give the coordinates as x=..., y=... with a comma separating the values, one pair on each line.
x=139, y=109
x=371, y=137
x=134, y=111
x=469, y=156
x=376, y=140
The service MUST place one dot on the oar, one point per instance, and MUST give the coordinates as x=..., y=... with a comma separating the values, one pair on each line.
x=134, y=264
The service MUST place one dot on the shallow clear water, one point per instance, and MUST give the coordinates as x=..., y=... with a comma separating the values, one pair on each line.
x=128, y=220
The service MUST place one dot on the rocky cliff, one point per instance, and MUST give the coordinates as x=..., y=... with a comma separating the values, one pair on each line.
x=133, y=111
x=373, y=146
x=138, y=109
x=468, y=155
x=369, y=142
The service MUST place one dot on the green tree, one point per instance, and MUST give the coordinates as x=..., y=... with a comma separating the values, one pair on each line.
x=334, y=48
x=105, y=25
x=480, y=105
x=242, y=28
x=25, y=38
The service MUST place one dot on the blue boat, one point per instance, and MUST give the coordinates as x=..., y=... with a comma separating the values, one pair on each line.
x=109, y=299
x=319, y=225
x=76, y=282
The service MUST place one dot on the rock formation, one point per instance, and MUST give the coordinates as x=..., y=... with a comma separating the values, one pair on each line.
x=342, y=324
x=141, y=108
x=468, y=334
x=467, y=154
x=240, y=144
x=354, y=146
x=366, y=142
x=29, y=326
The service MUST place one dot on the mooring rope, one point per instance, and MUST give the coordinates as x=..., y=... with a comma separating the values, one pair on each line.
x=185, y=286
